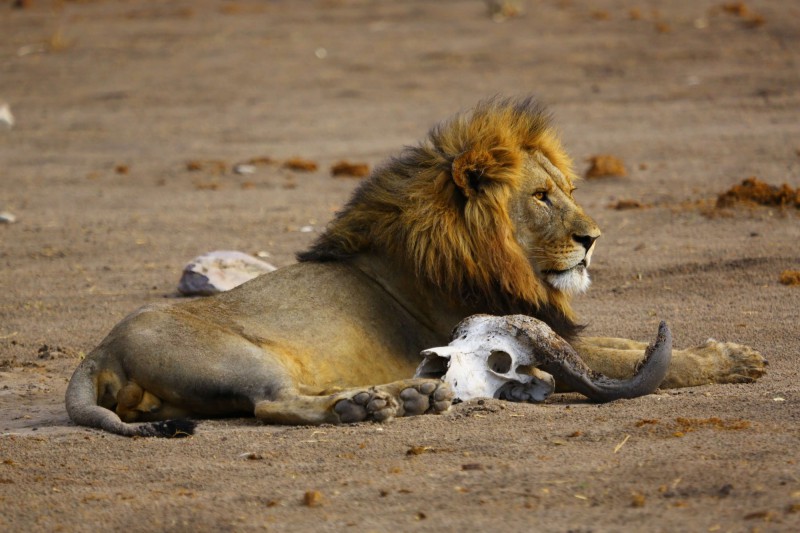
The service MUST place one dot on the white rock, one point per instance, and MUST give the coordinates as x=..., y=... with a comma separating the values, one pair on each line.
x=6, y=118
x=220, y=271
x=243, y=168
x=31, y=49
x=7, y=218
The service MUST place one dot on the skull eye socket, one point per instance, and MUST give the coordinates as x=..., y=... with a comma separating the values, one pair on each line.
x=499, y=362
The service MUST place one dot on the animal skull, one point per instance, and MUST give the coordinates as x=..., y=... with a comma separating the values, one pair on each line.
x=486, y=360
x=518, y=358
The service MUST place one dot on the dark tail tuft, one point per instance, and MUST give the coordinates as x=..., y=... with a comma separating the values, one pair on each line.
x=171, y=429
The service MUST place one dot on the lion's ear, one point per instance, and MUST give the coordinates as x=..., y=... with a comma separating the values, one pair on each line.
x=469, y=171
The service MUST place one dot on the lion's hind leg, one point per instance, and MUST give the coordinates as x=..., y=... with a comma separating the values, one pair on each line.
x=132, y=401
x=380, y=403
x=135, y=404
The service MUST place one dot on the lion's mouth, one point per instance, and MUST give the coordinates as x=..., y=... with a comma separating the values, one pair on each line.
x=580, y=266
x=572, y=280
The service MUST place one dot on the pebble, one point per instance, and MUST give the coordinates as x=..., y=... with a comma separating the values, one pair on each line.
x=220, y=271
x=6, y=118
x=242, y=168
x=7, y=218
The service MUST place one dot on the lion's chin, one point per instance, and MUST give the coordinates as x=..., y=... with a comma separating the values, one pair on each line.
x=572, y=281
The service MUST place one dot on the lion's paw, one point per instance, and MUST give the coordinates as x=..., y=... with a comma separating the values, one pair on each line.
x=426, y=396
x=370, y=404
x=402, y=398
x=736, y=363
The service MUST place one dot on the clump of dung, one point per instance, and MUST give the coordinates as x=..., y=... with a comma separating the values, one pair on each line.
x=754, y=191
x=790, y=277
x=353, y=170
x=605, y=165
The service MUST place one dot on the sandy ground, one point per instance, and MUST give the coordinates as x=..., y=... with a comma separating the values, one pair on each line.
x=113, y=99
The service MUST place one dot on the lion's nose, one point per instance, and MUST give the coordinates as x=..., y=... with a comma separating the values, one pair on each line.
x=585, y=240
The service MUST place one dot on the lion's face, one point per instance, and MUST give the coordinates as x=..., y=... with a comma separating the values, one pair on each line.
x=556, y=235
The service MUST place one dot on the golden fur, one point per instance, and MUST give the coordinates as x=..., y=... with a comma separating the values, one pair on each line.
x=423, y=211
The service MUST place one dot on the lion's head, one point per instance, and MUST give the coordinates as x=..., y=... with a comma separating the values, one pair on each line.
x=482, y=210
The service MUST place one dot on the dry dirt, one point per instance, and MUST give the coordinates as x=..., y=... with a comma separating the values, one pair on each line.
x=113, y=100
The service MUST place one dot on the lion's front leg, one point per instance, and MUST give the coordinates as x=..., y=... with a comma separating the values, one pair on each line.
x=380, y=403
x=711, y=362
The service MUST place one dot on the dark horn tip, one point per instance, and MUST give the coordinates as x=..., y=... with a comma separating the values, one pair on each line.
x=663, y=332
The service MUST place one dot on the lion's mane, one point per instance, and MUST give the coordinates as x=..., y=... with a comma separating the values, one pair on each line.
x=441, y=209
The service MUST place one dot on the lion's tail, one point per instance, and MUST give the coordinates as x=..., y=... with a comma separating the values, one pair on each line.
x=81, y=400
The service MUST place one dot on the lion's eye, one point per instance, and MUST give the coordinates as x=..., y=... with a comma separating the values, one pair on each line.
x=541, y=196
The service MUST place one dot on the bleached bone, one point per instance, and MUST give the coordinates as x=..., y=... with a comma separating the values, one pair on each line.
x=484, y=362
x=519, y=358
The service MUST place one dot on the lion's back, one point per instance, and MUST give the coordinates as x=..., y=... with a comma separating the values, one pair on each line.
x=321, y=309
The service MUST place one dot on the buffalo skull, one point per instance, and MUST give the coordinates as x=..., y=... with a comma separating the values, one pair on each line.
x=520, y=358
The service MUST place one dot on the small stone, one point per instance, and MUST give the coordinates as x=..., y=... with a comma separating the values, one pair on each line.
x=6, y=118
x=220, y=271
x=638, y=499
x=7, y=218
x=313, y=498
x=241, y=168
x=251, y=456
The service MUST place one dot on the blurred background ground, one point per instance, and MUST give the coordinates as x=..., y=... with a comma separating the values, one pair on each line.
x=129, y=119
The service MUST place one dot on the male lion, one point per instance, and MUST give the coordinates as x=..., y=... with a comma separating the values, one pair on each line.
x=479, y=218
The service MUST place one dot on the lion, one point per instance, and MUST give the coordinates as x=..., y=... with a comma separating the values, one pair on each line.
x=477, y=218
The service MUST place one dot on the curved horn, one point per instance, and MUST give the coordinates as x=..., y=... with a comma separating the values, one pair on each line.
x=555, y=356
